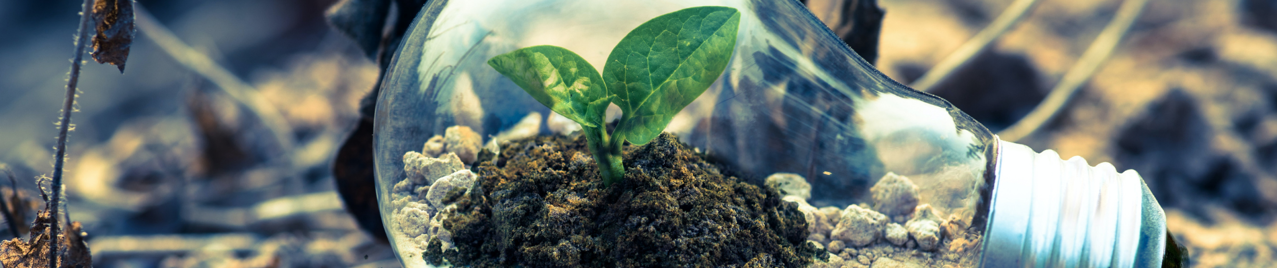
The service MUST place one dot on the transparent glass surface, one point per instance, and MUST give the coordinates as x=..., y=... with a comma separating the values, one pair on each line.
x=793, y=99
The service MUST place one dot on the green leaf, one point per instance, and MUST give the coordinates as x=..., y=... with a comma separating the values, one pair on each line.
x=664, y=64
x=559, y=79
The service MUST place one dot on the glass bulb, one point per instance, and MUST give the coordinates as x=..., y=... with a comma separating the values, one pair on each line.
x=794, y=99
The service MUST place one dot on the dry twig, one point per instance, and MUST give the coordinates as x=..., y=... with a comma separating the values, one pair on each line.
x=960, y=57
x=171, y=244
x=234, y=87
x=1081, y=72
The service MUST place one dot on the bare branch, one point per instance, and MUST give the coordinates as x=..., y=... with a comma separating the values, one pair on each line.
x=234, y=87
x=170, y=244
x=960, y=57
x=1081, y=72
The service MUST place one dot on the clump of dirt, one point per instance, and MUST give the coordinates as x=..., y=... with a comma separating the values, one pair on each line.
x=541, y=203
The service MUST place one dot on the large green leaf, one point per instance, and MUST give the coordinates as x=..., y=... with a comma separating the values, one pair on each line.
x=559, y=79
x=665, y=63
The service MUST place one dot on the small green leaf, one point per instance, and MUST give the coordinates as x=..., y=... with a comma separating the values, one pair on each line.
x=559, y=79
x=664, y=64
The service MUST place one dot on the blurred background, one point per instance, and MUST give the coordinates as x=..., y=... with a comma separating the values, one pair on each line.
x=166, y=170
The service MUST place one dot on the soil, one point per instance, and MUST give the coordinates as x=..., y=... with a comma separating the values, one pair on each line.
x=540, y=203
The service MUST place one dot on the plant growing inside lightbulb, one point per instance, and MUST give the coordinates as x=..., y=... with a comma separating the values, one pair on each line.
x=653, y=73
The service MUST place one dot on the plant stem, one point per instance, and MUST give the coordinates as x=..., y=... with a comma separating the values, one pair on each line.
x=64, y=126
x=607, y=156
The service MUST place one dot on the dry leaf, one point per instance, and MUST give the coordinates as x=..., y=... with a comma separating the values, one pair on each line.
x=21, y=204
x=75, y=252
x=115, y=30
x=34, y=253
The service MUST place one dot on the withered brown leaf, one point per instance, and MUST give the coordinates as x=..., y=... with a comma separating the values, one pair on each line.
x=115, y=31
x=33, y=253
x=76, y=252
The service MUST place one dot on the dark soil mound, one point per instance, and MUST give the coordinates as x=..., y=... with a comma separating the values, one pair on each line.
x=542, y=204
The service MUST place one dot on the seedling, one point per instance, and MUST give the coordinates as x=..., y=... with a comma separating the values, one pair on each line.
x=655, y=71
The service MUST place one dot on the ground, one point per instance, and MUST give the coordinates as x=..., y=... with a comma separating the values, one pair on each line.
x=164, y=171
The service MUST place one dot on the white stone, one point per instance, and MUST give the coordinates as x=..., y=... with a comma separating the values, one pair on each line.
x=859, y=226
x=926, y=232
x=461, y=179
x=561, y=125
x=423, y=170
x=527, y=127
x=413, y=219
x=816, y=222
x=896, y=234
x=836, y=246
x=894, y=195
x=790, y=184
x=433, y=147
x=925, y=227
x=463, y=141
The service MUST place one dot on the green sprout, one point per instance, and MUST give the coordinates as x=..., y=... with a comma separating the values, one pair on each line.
x=653, y=73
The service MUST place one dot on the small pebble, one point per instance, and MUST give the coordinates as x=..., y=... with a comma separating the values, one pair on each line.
x=561, y=125
x=413, y=218
x=403, y=187
x=925, y=231
x=433, y=147
x=423, y=170
x=925, y=211
x=897, y=234
x=925, y=227
x=859, y=226
x=832, y=214
x=461, y=179
x=819, y=246
x=848, y=254
x=462, y=141
x=891, y=263
x=527, y=127
x=818, y=237
x=790, y=184
x=953, y=227
x=401, y=201
x=864, y=260
x=894, y=195
x=836, y=246
x=816, y=222
x=835, y=260
x=850, y=251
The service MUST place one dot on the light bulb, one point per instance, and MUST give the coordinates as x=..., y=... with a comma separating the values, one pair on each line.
x=793, y=99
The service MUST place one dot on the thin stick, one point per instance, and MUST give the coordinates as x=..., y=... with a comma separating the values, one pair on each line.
x=1081, y=72
x=8, y=215
x=64, y=126
x=960, y=57
x=237, y=89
